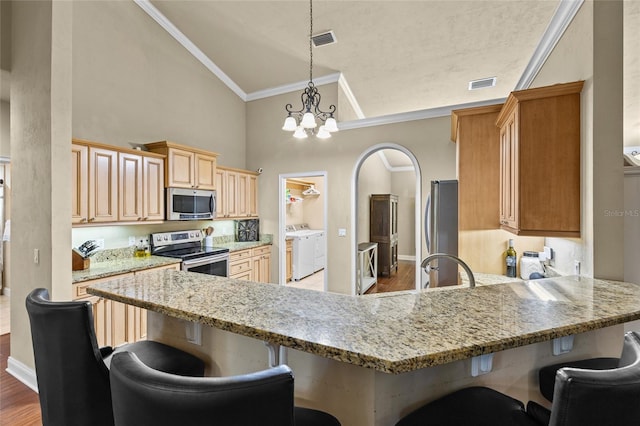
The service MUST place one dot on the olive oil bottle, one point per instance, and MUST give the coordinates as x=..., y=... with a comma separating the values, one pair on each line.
x=511, y=260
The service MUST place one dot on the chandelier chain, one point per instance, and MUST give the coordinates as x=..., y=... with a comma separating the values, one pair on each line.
x=310, y=43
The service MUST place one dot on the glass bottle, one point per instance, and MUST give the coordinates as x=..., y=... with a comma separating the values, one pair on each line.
x=510, y=259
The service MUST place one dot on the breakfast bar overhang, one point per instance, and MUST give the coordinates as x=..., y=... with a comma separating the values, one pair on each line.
x=371, y=359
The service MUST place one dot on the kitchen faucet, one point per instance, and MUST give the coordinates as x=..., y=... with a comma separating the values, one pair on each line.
x=425, y=262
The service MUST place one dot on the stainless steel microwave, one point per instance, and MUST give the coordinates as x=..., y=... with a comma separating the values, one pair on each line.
x=190, y=204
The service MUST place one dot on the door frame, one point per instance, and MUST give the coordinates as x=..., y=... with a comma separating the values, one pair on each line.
x=354, y=209
x=282, y=220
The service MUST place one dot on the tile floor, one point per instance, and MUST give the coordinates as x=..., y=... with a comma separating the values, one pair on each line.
x=312, y=282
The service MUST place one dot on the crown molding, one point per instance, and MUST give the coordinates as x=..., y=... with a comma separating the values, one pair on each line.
x=292, y=87
x=412, y=115
x=562, y=17
x=165, y=23
x=389, y=167
x=346, y=89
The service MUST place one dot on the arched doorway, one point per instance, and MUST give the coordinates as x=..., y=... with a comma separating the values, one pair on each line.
x=357, y=208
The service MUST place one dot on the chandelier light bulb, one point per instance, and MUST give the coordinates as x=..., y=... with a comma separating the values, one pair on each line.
x=323, y=133
x=290, y=124
x=330, y=125
x=308, y=121
x=300, y=133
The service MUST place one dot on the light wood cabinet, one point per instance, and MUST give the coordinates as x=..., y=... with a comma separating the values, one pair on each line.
x=140, y=188
x=540, y=161
x=103, y=185
x=261, y=269
x=289, y=254
x=478, y=166
x=116, y=323
x=240, y=265
x=80, y=183
x=115, y=184
x=252, y=264
x=383, y=230
x=186, y=167
x=237, y=193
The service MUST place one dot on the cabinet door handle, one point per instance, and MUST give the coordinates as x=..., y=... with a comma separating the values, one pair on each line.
x=84, y=219
x=92, y=219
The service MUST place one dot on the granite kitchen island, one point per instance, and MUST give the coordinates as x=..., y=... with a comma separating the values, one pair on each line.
x=370, y=359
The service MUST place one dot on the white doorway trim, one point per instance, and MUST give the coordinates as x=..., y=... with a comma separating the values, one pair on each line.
x=354, y=209
x=282, y=220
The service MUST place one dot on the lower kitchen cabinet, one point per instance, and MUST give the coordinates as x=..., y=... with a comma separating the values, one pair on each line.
x=261, y=258
x=252, y=264
x=116, y=323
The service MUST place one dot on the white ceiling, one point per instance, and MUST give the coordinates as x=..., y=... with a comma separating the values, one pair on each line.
x=396, y=56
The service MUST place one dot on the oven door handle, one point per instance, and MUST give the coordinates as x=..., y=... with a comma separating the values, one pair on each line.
x=203, y=261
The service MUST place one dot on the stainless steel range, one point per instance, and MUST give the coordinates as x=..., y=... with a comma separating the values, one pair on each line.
x=187, y=245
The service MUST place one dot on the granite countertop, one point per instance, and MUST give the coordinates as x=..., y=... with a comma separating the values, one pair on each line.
x=393, y=333
x=114, y=267
x=237, y=246
x=120, y=261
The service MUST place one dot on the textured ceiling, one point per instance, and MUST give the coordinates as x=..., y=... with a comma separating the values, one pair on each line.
x=397, y=56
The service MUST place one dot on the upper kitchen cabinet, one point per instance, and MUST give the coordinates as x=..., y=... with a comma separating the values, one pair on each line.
x=237, y=193
x=95, y=183
x=540, y=161
x=186, y=167
x=115, y=184
x=478, y=166
x=140, y=187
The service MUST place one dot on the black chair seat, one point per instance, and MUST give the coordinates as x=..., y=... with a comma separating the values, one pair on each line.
x=547, y=375
x=144, y=396
x=163, y=358
x=73, y=378
x=581, y=398
x=477, y=406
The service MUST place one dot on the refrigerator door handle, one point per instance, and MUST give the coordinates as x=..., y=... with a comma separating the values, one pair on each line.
x=427, y=223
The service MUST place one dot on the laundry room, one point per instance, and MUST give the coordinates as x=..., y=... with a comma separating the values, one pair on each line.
x=305, y=231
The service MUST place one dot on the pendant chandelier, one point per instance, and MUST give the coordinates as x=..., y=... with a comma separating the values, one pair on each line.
x=303, y=122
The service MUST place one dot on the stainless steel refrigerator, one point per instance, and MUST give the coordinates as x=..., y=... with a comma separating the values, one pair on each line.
x=441, y=229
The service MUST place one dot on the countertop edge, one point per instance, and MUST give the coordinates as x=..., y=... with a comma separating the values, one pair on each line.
x=381, y=364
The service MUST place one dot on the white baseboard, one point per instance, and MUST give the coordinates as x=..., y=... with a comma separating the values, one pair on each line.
x=23, y=373
x=406, y=257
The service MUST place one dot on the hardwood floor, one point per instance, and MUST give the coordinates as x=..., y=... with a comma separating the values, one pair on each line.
x=404, y=279
x=19, y=405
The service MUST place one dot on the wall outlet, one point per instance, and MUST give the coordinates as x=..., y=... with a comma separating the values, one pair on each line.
x=100, y=242
x=132, y=241
x=576, y=267
x=36, y=256
x=342, y=232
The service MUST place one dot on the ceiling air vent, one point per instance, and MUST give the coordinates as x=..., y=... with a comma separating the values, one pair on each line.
x=482, y=83
x=323, y=39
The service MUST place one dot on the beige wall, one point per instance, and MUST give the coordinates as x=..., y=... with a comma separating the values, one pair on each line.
x=403, y=184
x=5, y=139
x=5, y=35
x=40, y=139
x=277, y=152
x=591, y=50
x=133, y=83
x=373, y=178
x=632, y=226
